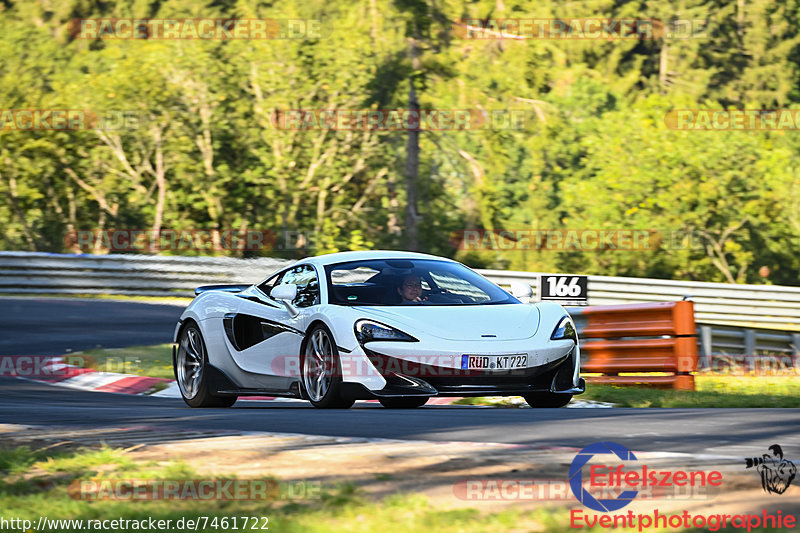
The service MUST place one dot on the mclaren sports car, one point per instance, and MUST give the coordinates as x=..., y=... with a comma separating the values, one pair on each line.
x=399, y=327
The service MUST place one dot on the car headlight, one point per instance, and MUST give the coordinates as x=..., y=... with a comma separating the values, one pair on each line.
x=565, y=330
x=369, y=330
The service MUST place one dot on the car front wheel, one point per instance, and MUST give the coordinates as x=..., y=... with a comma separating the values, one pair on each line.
x=322, y=376
x=191, y=361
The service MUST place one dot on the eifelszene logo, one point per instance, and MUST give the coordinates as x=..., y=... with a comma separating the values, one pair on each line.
x=613, y=484
x=576, y=477
x=776, y=471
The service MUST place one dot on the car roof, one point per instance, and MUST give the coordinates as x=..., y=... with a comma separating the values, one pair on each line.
x=343, y=257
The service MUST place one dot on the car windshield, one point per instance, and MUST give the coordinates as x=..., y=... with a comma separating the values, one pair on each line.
x=410, y=282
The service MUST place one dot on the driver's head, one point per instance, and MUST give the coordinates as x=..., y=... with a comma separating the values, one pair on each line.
x=410, y=288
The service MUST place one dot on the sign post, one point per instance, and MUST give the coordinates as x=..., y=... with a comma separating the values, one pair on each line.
x=563, y=288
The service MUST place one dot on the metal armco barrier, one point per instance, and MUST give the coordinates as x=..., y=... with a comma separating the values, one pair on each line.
x=753, y=321
x=757, y=350
x=750, y=306
x=129, y=274
x=639, y=338
x=719, y=304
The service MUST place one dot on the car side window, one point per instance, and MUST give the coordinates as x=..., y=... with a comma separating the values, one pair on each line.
x=268, y=285
x=307, y=283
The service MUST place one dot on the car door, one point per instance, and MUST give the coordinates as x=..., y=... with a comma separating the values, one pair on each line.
x=268, y=337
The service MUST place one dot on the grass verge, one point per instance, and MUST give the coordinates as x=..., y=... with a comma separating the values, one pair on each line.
x=41, y=483
x=712, y=391
x=36, y=483
x=153, y=361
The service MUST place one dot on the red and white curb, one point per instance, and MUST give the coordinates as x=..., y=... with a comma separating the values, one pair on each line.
x=54, y=371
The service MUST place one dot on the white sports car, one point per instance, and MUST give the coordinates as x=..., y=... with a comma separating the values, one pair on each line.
x=397, y=326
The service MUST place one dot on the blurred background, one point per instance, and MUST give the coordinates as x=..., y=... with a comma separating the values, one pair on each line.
x=207, y=153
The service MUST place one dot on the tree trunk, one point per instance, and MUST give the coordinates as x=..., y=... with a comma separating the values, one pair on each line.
x=209, y=193
x=161, y=184
x=412, y=157
x=70, y=236
x=14, y=204
x=101, y=226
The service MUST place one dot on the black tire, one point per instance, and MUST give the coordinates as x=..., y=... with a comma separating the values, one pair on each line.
x=404, y=402
x=191, y=356
x=547, y=400
x=320, y=350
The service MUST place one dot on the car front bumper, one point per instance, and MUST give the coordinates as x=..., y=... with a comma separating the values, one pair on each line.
x=404, y=378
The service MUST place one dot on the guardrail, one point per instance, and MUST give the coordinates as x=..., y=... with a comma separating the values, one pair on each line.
x=729, y=316
x=750, y=306
x=44, y=273
x=639, y=338
x=726, y=349
x=766, y=306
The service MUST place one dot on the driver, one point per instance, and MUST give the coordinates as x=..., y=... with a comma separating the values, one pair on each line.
x=410, y=290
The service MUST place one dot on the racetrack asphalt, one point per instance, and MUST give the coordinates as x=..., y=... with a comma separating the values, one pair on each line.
x=700, y=431
x=49, y=327
x=56, y=326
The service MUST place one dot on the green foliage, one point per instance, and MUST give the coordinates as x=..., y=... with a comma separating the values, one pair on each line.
x=594, y=151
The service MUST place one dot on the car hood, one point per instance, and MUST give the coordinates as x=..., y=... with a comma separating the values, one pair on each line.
x=468, y=322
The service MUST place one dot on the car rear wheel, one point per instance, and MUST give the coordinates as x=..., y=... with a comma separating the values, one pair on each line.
x=547, y=399
x=191, y=360
x=408, y=402
x=322, y=376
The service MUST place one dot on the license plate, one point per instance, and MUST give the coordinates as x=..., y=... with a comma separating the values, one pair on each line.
x=494, y=362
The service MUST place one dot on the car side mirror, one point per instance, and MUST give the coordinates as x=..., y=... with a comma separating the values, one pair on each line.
x=286, y=294
x=521, y=291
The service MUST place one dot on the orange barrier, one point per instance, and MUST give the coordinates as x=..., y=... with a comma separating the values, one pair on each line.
x=639, y=338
